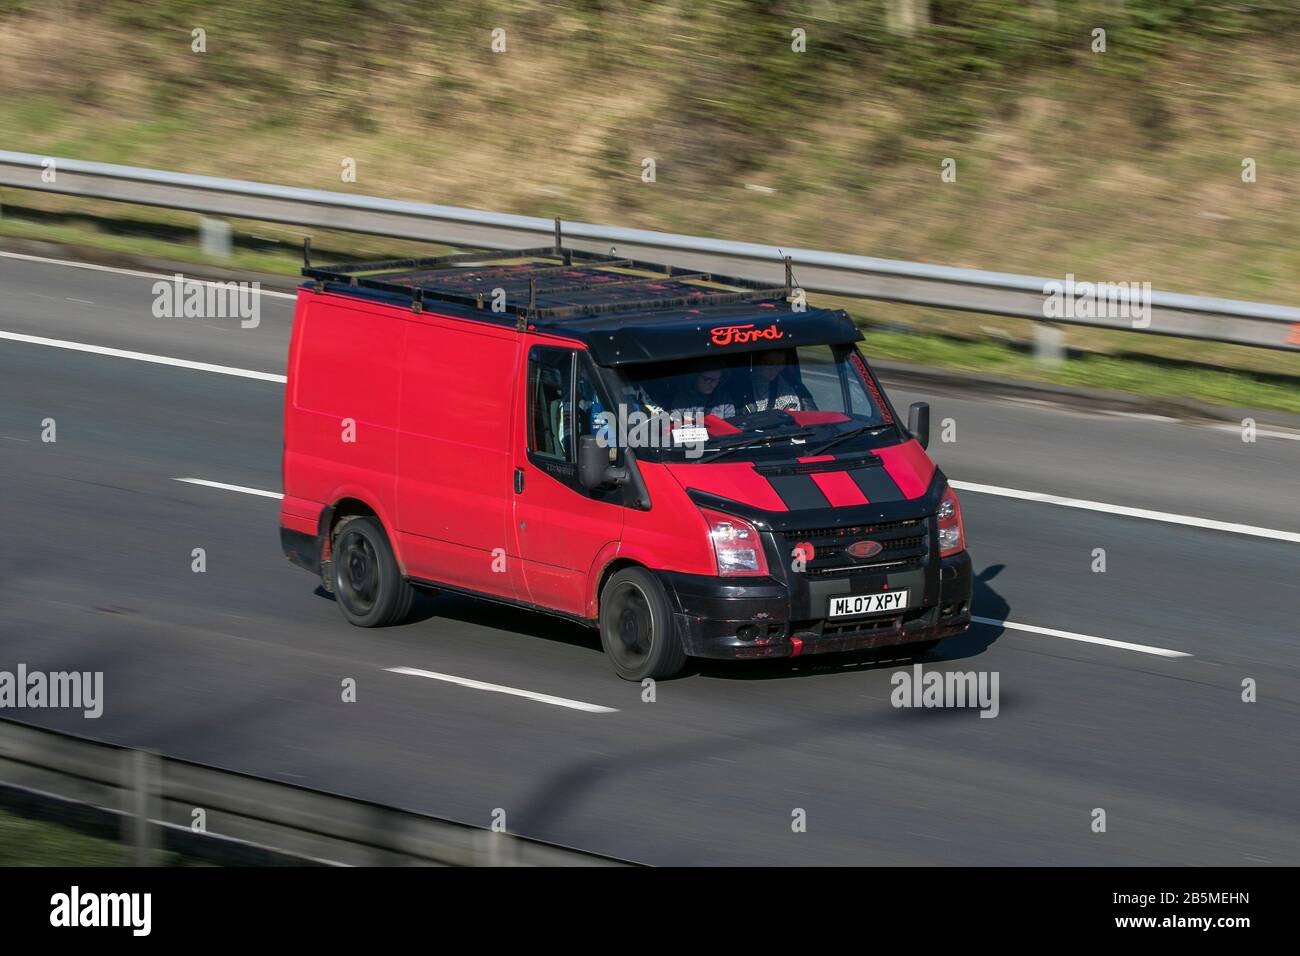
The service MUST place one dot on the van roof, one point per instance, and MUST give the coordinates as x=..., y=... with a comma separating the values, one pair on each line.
x=624, y=310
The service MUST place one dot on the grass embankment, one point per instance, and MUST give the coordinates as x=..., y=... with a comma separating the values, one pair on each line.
x=1123, y=165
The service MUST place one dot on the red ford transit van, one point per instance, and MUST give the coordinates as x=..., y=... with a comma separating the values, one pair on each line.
x=696, y=465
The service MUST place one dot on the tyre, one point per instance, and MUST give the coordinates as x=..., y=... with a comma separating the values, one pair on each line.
x=636, y=627
x=368, y=585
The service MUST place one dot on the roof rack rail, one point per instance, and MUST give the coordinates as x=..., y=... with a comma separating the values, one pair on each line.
x=546, y=282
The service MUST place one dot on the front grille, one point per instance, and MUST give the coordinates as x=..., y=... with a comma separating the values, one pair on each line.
x=851, y=628
x=904, y=545
x=863, y=626
x=814, y=533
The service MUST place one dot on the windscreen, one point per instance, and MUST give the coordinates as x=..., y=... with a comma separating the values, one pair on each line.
x=784, y=400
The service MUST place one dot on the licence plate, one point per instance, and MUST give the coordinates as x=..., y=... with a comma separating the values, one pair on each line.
x=868, y=603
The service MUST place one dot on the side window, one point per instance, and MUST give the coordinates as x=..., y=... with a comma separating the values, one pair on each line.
x=591, y=406
x=550, y=404
x=566, y=399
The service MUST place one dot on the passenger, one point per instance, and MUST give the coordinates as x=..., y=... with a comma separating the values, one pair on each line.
x=774, y=386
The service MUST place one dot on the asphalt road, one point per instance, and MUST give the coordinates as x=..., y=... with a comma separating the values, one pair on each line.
x=241, y=666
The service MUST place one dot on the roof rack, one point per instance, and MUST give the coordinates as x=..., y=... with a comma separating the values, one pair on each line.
x=547, y=282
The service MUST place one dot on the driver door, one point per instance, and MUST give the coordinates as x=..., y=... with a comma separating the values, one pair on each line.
x=561, y=528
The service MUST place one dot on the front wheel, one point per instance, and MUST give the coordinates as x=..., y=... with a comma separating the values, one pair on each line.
x=368, y=584
x=636, y=627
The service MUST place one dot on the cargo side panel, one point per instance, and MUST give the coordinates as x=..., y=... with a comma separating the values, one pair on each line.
x=341, y=405
x=454, y=481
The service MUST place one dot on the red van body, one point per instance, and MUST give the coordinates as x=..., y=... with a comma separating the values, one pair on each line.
x=433, y=442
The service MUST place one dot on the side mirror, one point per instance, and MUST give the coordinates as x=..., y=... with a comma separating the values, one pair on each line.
x=918, y=422
x=593, y=463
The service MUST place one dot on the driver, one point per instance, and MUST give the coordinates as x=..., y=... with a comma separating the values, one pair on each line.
x=701, y=392
x=774, y=386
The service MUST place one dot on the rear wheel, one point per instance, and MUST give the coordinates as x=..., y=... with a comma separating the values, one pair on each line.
x=368, y=585
x=636, y=627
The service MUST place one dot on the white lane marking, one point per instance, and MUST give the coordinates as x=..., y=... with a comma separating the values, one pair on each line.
x=82, y=301
x=990, y=490
x=502, y=689
x=1125, y=511
x=1087, y=639
x=1037, y=402
x=1259, y=432
x=142, y=357
x=225, y=487
x=433, y=675
x=129, y=272
x=1139, y=416
x=1293, y=436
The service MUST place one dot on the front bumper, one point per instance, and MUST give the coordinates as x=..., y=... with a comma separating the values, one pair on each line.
x=738, y=618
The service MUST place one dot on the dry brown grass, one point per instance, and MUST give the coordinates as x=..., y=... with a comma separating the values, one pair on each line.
x=1065, y=180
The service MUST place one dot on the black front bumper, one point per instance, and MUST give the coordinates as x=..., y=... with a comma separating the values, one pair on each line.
x=772, y=617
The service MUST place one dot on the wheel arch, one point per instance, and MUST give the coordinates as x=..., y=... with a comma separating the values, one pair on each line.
x=610, y=568
x=349, y=504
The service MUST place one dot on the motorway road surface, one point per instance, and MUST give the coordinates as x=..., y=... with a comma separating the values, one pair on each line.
x=241, y=666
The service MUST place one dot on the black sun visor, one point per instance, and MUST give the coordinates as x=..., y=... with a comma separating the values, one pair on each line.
x=660, y=338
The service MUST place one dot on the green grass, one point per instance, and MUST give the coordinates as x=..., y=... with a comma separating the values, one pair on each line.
x=169, y=236
x=274, y=263
x=1125, y=373
x=27, y=842
x=1120, y=166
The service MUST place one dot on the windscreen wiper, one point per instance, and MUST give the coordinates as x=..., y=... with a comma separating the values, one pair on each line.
x=757, y=442
x=843, y=436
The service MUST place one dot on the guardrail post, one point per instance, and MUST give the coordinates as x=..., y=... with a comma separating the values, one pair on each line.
x=1049, y=343
x=142, y=778
x=214, y=237
x=496, y=849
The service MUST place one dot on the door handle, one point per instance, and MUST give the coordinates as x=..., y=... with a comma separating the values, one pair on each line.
x=519, y=481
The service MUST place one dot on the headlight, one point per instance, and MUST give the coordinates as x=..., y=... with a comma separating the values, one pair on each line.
x=952, y=533
x=736, y=544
